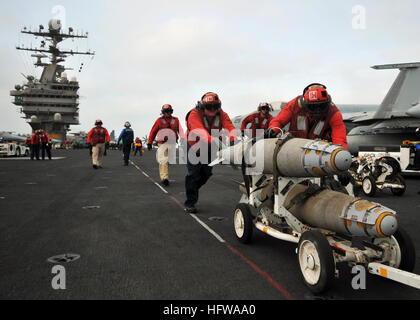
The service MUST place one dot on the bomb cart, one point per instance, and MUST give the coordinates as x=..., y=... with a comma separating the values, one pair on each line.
x=377, y=171
x=284, y=197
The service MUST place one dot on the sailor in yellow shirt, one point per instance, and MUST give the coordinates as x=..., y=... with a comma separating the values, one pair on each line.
x=138, y=145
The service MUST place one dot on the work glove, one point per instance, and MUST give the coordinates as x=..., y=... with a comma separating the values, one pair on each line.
x=344, y=178
x=270, y=133
x=149, y=147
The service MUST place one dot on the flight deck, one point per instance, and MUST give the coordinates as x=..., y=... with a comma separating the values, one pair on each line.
x=122, y=235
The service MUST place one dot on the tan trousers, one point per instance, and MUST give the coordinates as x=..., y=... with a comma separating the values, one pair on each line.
x=162, y=155
x=98, y=153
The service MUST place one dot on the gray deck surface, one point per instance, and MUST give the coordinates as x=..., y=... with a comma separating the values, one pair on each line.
x=140, y=244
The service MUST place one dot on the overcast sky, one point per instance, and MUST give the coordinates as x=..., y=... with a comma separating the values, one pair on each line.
x=149, y=53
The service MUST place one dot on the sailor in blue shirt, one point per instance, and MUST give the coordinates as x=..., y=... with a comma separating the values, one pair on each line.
x=127, y=137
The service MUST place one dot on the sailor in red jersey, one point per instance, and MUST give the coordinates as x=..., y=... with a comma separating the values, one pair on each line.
x=98, y=137
x=28, y=144
x=45, y=144
x=28, y=141
x=166, y=131
x=204, y=124
x=258, y=120
x=35, y=143
x=312, y=116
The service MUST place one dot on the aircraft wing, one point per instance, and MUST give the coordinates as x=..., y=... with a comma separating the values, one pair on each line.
x=356, y=116
x=398, y=123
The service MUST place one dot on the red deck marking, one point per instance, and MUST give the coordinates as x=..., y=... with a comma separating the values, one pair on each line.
x=264, y=274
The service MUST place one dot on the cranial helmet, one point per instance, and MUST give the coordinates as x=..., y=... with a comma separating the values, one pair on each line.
x=316, y=100
x=167, y=108
x=265, y=106
x=210, y=101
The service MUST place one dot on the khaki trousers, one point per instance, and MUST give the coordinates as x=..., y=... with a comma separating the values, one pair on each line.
x=162, y=155
x=98, y=154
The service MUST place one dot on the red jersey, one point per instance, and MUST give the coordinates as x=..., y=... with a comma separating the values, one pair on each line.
x=44, y=137
x=330, y=128
x=258, y=121
x=171, y=123
x=202, y=125
x=36, y=139
x=98, y=135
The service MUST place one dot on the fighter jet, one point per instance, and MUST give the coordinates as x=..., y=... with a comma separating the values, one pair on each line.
x=397, y=118
x=10, y=137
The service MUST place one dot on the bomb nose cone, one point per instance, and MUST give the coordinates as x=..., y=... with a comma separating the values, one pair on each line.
x=342, y=160
x=388, y=225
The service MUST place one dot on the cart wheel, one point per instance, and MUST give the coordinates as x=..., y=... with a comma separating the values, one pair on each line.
x=369, y=186
x=408, y=252
x=400, y=180
x=316, y=261
x=242, y=222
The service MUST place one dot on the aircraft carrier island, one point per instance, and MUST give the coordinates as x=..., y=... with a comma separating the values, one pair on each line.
x=50, y=103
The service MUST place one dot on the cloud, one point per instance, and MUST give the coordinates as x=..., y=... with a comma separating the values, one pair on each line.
x=152, y=53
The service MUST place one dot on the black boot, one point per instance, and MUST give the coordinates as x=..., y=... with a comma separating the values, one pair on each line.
x=191, y=209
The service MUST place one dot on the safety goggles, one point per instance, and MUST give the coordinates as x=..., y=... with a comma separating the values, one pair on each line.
x=212, y=106
x=169, y=111
x=317, y=107
x=265, y=108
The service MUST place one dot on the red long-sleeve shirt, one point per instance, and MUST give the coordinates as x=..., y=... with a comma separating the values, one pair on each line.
x=165, y=123
x=35, y=139
x=258, y=122
x=338, y=129
x=195, y=123
x=45, y=138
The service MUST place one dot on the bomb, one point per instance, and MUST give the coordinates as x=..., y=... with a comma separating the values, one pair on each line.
x=343, y=214
x=289, y=157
